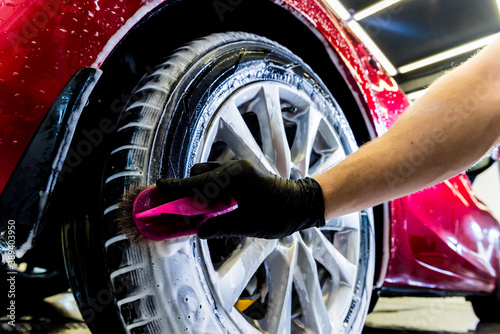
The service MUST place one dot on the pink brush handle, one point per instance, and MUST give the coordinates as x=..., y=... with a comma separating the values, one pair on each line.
x=157, y=220
x=187, y=206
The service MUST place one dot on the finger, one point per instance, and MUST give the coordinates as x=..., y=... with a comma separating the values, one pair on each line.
x=220, y=226
x=232, y=224
x=205, y=187
x=177, y=188
x=209, y=186
x=204, y=167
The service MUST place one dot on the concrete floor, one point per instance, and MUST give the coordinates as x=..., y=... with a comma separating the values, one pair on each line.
x=59, y=315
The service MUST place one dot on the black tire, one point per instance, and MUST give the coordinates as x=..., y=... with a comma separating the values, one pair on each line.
x=161, y=134
x=486, y=308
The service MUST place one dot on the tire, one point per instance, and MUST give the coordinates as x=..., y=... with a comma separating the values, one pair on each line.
x=232, y=96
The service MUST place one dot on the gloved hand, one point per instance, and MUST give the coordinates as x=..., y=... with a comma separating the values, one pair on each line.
x=268, y=206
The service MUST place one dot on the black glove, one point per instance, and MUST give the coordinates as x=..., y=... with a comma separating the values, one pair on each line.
x=268, y=206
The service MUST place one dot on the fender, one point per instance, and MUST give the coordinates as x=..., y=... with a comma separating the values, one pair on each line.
x=97, y=35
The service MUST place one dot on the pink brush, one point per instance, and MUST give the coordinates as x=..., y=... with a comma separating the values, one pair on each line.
x=155, y=219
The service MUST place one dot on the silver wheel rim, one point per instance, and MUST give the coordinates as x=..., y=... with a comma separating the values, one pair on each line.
x=319, y=267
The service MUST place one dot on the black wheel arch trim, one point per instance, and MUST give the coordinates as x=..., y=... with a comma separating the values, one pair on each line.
x=27, y=196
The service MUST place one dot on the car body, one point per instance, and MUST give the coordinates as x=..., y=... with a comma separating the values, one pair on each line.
x=439, y=241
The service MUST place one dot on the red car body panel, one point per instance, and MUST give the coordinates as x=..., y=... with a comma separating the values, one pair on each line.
x=43, y=44
x=440, y=238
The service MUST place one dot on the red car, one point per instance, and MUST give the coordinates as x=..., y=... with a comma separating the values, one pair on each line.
x=97, y=97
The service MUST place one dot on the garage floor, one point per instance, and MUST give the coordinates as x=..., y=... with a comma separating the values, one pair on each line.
x=59, y=315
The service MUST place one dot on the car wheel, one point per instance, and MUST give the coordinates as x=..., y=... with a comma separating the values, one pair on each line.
x=234, y=96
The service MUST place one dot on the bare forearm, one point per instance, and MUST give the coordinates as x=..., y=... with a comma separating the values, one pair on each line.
x=444, y=133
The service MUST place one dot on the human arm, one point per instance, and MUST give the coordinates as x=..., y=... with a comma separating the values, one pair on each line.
x=446, y=131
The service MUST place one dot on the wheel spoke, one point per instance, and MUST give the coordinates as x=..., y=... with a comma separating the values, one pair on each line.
x=334, y=158
x=281, y=266
x=326, y=254
x=314, y=311
x=274, y=141
x=327, y=161
x=236, y=134
x=239, y=268
x=307, y=128
x=349, y=222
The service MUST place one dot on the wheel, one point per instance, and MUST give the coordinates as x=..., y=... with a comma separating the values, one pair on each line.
x=224, y=97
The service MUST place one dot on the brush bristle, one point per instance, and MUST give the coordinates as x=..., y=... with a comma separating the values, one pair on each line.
x=124, y=220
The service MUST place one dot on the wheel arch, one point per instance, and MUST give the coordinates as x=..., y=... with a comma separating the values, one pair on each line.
x=277, y=21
